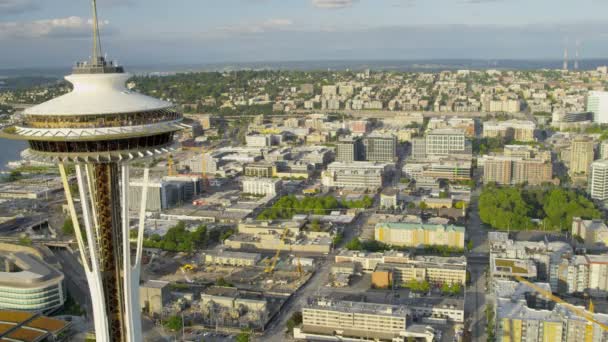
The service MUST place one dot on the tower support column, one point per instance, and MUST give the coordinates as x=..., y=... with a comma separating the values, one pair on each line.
x=108, y=210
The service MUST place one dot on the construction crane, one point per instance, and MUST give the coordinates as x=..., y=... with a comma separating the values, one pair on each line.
x=188, y=267
x=300, y=270
x=586, y=314
x=202, y=151
x=270, y=268
x=170, y=166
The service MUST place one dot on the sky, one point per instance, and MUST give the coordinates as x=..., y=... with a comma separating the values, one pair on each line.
x=56, y=33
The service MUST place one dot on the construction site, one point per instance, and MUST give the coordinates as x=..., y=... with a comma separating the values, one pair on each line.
x=226, y=290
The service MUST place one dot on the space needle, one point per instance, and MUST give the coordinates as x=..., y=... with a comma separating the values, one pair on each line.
x=100, y=127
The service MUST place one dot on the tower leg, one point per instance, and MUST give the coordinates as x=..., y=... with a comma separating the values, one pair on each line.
x=111, y=256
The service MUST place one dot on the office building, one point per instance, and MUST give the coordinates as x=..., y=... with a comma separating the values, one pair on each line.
x=598, y=180
x=261, y=186
x=445, y=142
x=356, y=175
x=581, y=156
x=380, y=148
x=101, y=127
x=349, y=149
x=597, y=103
x=165, y=193
x=339, y=320
x=419, y=235
x=260, y=169
x=27, y=283
x=153, y=296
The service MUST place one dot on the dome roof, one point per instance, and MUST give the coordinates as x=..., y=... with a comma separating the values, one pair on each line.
x=98, y=94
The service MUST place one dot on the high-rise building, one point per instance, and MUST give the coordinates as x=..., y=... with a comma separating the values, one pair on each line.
x=581, y=156
x=604, y=150
x=597, y=103
x=444, y=142
x=100, y=127
x=380, y=148
x=598, y=180
x=349, y=149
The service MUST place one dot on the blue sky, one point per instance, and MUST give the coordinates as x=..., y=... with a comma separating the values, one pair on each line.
x=56, y=32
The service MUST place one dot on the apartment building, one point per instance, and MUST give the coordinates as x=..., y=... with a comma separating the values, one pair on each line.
x=520, y=130
x=435, y=270
x=513, y=170
x=419, y=235
x=522, y=315
x=581, y=156
x=591, y=231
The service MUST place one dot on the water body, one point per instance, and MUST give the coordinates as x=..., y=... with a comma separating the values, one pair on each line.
x=10, y=150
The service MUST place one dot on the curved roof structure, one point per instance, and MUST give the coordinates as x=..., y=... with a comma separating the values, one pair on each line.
x=96, y=94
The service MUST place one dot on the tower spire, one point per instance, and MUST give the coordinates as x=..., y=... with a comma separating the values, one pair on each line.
x=96, y=58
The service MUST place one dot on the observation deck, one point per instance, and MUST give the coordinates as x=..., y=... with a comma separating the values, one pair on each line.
x=100, y=120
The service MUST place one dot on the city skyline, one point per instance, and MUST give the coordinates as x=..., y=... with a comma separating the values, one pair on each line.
x=38, y=34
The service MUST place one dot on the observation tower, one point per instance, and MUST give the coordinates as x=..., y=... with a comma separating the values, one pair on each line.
x=99, y=128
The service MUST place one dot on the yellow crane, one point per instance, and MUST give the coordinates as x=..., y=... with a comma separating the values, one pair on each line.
x=170, y=166
x=586, y=314
x=300, y=270
x=275, y=258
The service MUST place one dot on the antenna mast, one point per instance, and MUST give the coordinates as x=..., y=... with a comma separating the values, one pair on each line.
x=97, y=56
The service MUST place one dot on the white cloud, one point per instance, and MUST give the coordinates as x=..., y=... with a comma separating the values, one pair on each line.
x=275, y=24
x=59, y=27
x=333, y=4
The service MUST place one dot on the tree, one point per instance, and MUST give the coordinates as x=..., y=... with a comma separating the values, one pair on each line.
x=443, y=194
x=354, y=245
x=423, y=205
x=174, y=323
x=68, y=227
x=470, y=245
x=25, y=240
x=294, y=320
x=244, y=336
x=315, y=225
x=222, y=282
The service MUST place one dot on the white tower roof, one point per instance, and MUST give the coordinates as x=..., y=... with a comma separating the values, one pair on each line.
x=103, y=93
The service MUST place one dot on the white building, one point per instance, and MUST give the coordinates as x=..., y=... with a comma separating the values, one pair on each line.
x=261, y=186
x=597, y=103
x=258, y=140
x=598, y=181
x=355, y=175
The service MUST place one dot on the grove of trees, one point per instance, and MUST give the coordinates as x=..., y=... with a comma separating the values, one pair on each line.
x=291, y=205
x=178, y=239
x=514, y=208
